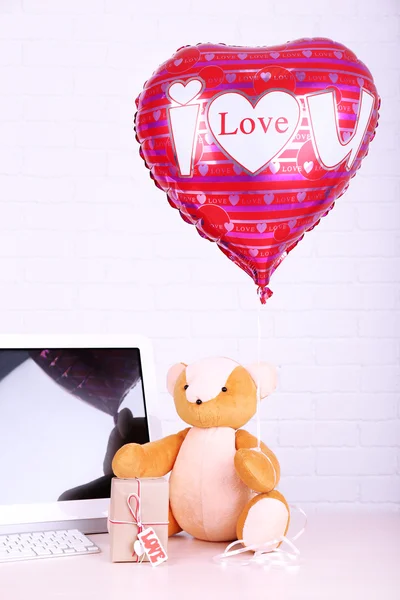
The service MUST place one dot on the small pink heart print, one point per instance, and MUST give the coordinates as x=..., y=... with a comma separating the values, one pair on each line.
x=269, y=198
x=203, y=170
x=274, y=166
x=301, y=196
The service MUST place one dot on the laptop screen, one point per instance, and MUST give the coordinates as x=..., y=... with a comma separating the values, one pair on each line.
x=63, y=415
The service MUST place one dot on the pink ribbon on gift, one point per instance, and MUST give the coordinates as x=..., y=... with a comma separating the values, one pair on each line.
x=136, y=513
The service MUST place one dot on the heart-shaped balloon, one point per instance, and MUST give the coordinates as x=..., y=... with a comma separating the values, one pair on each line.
x=254, y=145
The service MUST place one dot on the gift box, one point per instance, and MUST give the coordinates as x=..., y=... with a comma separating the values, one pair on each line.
x=137, y=506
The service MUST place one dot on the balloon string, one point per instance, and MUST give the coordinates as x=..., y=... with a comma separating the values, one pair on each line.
x=258, y=418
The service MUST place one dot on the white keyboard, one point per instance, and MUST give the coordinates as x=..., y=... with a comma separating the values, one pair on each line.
x=45, y=544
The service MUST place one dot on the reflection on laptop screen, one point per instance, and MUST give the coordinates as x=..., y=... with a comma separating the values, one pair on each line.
x=63, y=415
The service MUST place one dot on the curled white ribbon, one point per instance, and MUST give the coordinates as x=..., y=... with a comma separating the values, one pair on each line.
x=265, y=554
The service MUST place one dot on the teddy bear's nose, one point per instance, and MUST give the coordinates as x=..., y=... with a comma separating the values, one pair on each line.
x=198, y=401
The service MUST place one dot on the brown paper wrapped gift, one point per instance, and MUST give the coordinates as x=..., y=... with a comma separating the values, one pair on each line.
x=152, y=510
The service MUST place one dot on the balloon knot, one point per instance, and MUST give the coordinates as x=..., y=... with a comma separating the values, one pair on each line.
x=264, y=293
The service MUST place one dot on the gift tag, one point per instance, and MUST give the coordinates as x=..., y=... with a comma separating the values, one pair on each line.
x=152, y=546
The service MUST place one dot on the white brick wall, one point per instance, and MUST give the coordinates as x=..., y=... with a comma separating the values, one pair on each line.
x=88, y=244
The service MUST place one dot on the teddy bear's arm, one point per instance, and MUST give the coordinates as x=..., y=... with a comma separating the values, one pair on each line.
x=260, y=471
x=153, y=459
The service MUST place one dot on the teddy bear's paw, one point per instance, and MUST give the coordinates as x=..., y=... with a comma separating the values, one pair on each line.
x=264, y=521
x=129, y=461
x=255, y=469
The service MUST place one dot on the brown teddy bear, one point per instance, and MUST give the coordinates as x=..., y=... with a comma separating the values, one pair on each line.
x=221, y=485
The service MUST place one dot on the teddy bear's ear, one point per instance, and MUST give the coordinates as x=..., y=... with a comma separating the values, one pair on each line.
x=265, y=375
x=173, y=375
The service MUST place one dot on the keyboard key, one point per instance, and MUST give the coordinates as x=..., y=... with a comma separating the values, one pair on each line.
x=28, y=553
x=42, y=552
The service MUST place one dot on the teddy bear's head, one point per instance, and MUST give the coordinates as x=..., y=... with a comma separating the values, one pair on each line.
x=219, y=392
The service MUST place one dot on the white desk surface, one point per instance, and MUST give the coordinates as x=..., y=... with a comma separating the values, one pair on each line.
x=344, y=557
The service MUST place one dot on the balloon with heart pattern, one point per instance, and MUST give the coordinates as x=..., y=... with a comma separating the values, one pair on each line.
x=254, y=145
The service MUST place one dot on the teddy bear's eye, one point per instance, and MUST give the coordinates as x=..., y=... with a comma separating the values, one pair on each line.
x=185, y=387
x=224, y=389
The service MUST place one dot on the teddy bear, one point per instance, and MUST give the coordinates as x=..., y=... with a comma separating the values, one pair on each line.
x=222, y=486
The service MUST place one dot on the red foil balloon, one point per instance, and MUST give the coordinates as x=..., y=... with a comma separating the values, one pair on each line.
x=254, y=145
